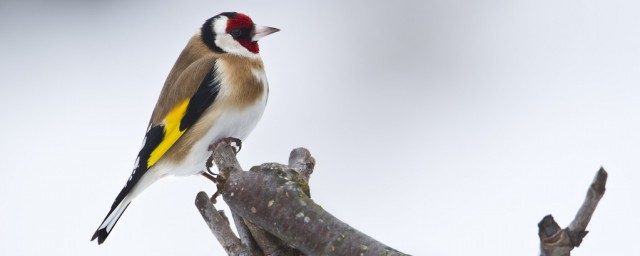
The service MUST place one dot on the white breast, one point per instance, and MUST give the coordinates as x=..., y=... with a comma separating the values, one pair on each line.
x=237, y=123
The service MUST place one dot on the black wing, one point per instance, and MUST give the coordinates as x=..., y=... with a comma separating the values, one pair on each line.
x=203, y=98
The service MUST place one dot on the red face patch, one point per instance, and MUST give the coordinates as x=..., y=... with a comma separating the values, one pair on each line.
x=239, y=21
x=243, y=22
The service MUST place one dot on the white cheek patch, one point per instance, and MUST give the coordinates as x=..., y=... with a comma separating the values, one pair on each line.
x=230, y=45
x=220, y=25
x=226, y=41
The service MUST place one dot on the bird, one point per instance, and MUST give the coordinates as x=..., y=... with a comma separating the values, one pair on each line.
x=216, y=89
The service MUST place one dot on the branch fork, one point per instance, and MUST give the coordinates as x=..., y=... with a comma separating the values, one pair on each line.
x=274, y=214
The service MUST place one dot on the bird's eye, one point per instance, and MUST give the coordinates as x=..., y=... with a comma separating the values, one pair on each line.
x=236, y=32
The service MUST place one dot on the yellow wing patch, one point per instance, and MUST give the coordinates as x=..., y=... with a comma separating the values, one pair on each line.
x=172, y=132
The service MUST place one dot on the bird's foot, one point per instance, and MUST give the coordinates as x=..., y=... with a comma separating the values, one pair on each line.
x=236, y=141
x=231, y=141
x=219, y=188
x=215, y=178
x=219, y=181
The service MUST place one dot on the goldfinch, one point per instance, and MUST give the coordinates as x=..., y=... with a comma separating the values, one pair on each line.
x=216, y=89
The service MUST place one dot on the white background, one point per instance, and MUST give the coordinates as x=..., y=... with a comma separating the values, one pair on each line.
x=439, y=127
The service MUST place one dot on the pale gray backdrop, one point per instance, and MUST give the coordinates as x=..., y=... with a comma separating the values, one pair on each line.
x=439, y=127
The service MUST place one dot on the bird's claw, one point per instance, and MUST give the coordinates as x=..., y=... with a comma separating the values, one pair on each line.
x=236, y=141
x=231, y=141
x=219, y=181
x=209, y=164
x=215, y=178
x=218, y=192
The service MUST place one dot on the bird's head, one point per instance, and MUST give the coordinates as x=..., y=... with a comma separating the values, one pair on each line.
x=232, y=32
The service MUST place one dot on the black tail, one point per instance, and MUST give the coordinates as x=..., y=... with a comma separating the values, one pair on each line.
x=118, y=208
x=106, y=227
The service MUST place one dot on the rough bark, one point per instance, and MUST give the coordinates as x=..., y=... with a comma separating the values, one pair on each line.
x=555, y=241
x=274, y=213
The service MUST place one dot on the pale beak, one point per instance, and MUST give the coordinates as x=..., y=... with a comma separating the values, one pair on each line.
x=262, y=31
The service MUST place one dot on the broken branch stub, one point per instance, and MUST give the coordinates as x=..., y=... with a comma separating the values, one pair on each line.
x=555, y=241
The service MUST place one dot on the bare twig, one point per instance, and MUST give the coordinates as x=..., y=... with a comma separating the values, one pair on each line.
x=595, y=193
x=555, y=241
x=218, y=224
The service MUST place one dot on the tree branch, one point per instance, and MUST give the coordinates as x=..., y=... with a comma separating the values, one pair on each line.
x=218, y=224
x=273, y=202
x=555, y=241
